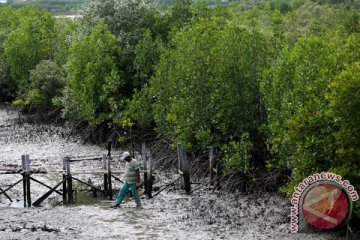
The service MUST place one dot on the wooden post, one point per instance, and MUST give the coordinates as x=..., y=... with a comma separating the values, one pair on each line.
x=109, y=177
x=185, y=170
x=132, y=149
x=69, y=181
x=211, y=165
x=23, y=160
x=179, y=156
x=109, y=148
x=149, y=178
x=28, y=190
x=93, y=189
x=104, y=159
x=108, y=181
x=143, y=156
x=218, y=176
x=64, y=182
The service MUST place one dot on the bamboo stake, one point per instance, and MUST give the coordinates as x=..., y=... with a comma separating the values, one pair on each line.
x=150, y=179
x=69, y=181
x=211, y=165
x=109, y=177
x=64, y=182
x=104, y=159
x=28, y=190
x=24, y=177
x=143, y=156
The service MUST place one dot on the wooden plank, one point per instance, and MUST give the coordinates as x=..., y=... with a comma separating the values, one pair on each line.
x=7, y=196
x=88, y=171
x=166, y=186
x=35, y=180
x=86, y=159
x=116, y=178
x=15, y=170
x=13, y=185
x=113, y=171
x=34, y=171
x=87, y=184
x=46, y=195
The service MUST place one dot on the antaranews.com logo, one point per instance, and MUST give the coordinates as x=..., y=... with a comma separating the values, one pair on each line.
x=323, y=200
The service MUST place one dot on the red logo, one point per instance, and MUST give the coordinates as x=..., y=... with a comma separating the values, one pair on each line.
x=325, y=206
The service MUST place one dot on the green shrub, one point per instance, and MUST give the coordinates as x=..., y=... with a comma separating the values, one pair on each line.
x=46, y=83
x=206, y=86
x=309, y=110
x=94, y=88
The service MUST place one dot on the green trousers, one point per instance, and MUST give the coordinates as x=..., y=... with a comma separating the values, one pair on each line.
x=124, y=189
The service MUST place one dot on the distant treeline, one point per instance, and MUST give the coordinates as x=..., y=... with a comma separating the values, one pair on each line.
x=271, y=85
x=53, y=6
x=72, y=6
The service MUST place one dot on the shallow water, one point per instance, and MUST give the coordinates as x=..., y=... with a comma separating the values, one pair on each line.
x=170, y=215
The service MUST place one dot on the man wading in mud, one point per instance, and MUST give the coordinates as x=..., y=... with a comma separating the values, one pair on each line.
x=132, y=177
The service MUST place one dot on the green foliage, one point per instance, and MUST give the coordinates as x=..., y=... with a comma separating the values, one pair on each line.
x=232, y=75
x=352, y=23
x=315, y=19
x=207, y=85
x=95, y=82
x=47, y=82
x=125, y=19
x=138, y=110
x=28, y=44
x=304, y=129
x=128, y=21
x=294, y=92
x=8, y=87
x=166, y=2
x=147, y=54
x=181, y=13
x=8, y=19
x=64, y=34
x=344, y=97
x=282, y=5
x=237, y=154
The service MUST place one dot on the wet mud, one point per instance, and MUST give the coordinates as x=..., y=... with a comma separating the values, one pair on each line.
x=205, y=214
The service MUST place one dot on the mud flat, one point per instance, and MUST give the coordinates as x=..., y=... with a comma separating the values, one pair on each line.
x=170, y=215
